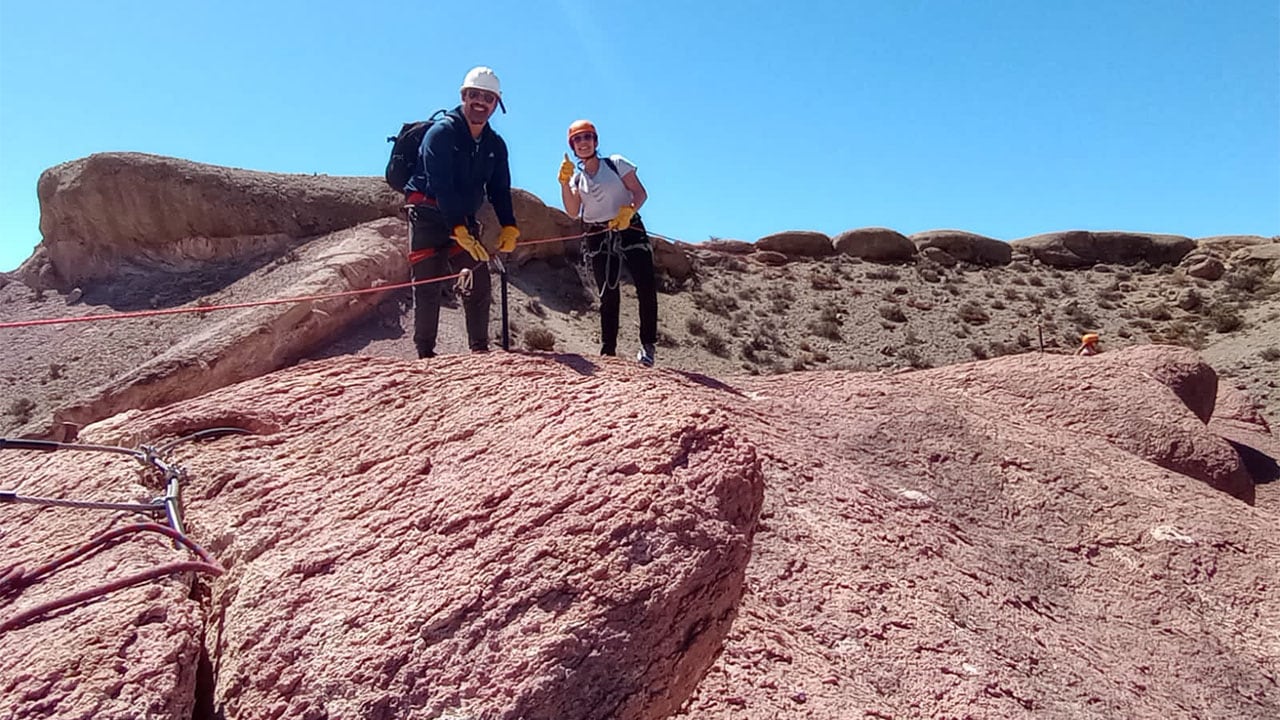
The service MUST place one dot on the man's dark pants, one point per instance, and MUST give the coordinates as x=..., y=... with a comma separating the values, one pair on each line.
x=429, y=231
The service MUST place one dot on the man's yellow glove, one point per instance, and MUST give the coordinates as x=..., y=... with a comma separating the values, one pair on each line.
x=566, y=170
x=622, y=220
x=507, y=238
x=463, y=237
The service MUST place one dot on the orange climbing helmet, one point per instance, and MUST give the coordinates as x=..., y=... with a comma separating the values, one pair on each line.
x=1089, y=338
x=577, y=127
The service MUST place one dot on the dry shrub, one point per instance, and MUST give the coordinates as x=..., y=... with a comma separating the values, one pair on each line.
x=1245, y=280
x=973, y=313
x=1270, y=354
x=21, y=410
x=1224, y=318
x=1182, y=333
x=882, y=273
x=715, y=343
x=823, y=281
x=716, y=304
x=695, y=325
x=1156, y=311
x=892, y=313
x=825, y=328
x=539, y=338
x=914, y=358
x=1080, y=316
x=1000, y=348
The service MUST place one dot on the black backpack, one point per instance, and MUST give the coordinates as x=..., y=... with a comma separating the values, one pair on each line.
x=404, y=153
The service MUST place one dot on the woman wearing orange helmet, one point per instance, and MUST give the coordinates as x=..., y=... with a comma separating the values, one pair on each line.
x=1088, y=344
x=606, y=193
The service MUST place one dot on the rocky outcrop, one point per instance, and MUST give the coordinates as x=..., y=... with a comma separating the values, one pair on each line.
x=1082, y=248
x=1236, y=420
x=875, y=244
x=1222, y=246
x=797, y=243
x=112, y=209
x=730, y=247
x=675, y=259
x=965, y=246
x=497, y=536
x=471, y=537
x=538, y=223
x=237, y=345
x=1205, y=268
x=1173, y=437
x=957, y=542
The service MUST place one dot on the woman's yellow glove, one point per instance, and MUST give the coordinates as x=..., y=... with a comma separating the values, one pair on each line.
x=507, y=238
x=622, y=220
x=466, y=241
x=566, y=170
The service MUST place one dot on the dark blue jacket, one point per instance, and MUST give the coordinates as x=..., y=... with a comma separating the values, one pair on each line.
x=459, y=171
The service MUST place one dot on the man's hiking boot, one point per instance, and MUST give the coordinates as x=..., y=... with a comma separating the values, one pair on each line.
x=645, y=356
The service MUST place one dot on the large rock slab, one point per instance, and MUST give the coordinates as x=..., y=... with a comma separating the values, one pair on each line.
x=797, y=243
x=875, y=244
x=1083, y=248
x=1103, y=399
x=235, y=345
x=957, y=542
x=1222, y=246
x=112, y=209
x=1236, y=420
x=494, y=536
x=966, y=246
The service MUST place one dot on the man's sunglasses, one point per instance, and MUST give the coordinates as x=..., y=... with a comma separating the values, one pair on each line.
x=484, y=96
x=584, y=136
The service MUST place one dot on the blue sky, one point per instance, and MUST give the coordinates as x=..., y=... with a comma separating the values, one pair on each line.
x=1002, y=117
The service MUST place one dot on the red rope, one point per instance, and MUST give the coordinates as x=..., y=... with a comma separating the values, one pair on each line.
x=260, y=303
x=207, y=308
x=26, y=616
x=15, y=580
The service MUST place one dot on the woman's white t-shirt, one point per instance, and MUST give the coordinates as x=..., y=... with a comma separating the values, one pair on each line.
x=603, y=193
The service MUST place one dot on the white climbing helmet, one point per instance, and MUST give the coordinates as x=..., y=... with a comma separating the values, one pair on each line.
x=483, y=78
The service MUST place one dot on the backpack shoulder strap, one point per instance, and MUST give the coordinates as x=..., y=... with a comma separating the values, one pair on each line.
x=612, y=166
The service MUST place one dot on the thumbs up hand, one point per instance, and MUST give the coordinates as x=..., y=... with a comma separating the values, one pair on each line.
x=566, y=170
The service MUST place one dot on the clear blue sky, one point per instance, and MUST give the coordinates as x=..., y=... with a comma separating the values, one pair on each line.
x=1002, y=117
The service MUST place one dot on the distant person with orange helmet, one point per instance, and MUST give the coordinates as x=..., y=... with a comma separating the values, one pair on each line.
x=461, y=162
x=1088, y=344
x=606, y=193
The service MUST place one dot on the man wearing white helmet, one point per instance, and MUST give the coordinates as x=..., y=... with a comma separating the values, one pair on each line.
x=460, y=163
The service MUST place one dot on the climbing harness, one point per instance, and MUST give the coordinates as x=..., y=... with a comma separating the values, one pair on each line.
x=611, y=247
x=13, y=580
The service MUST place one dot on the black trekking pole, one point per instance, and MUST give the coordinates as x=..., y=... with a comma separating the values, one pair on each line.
x=506, y=328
